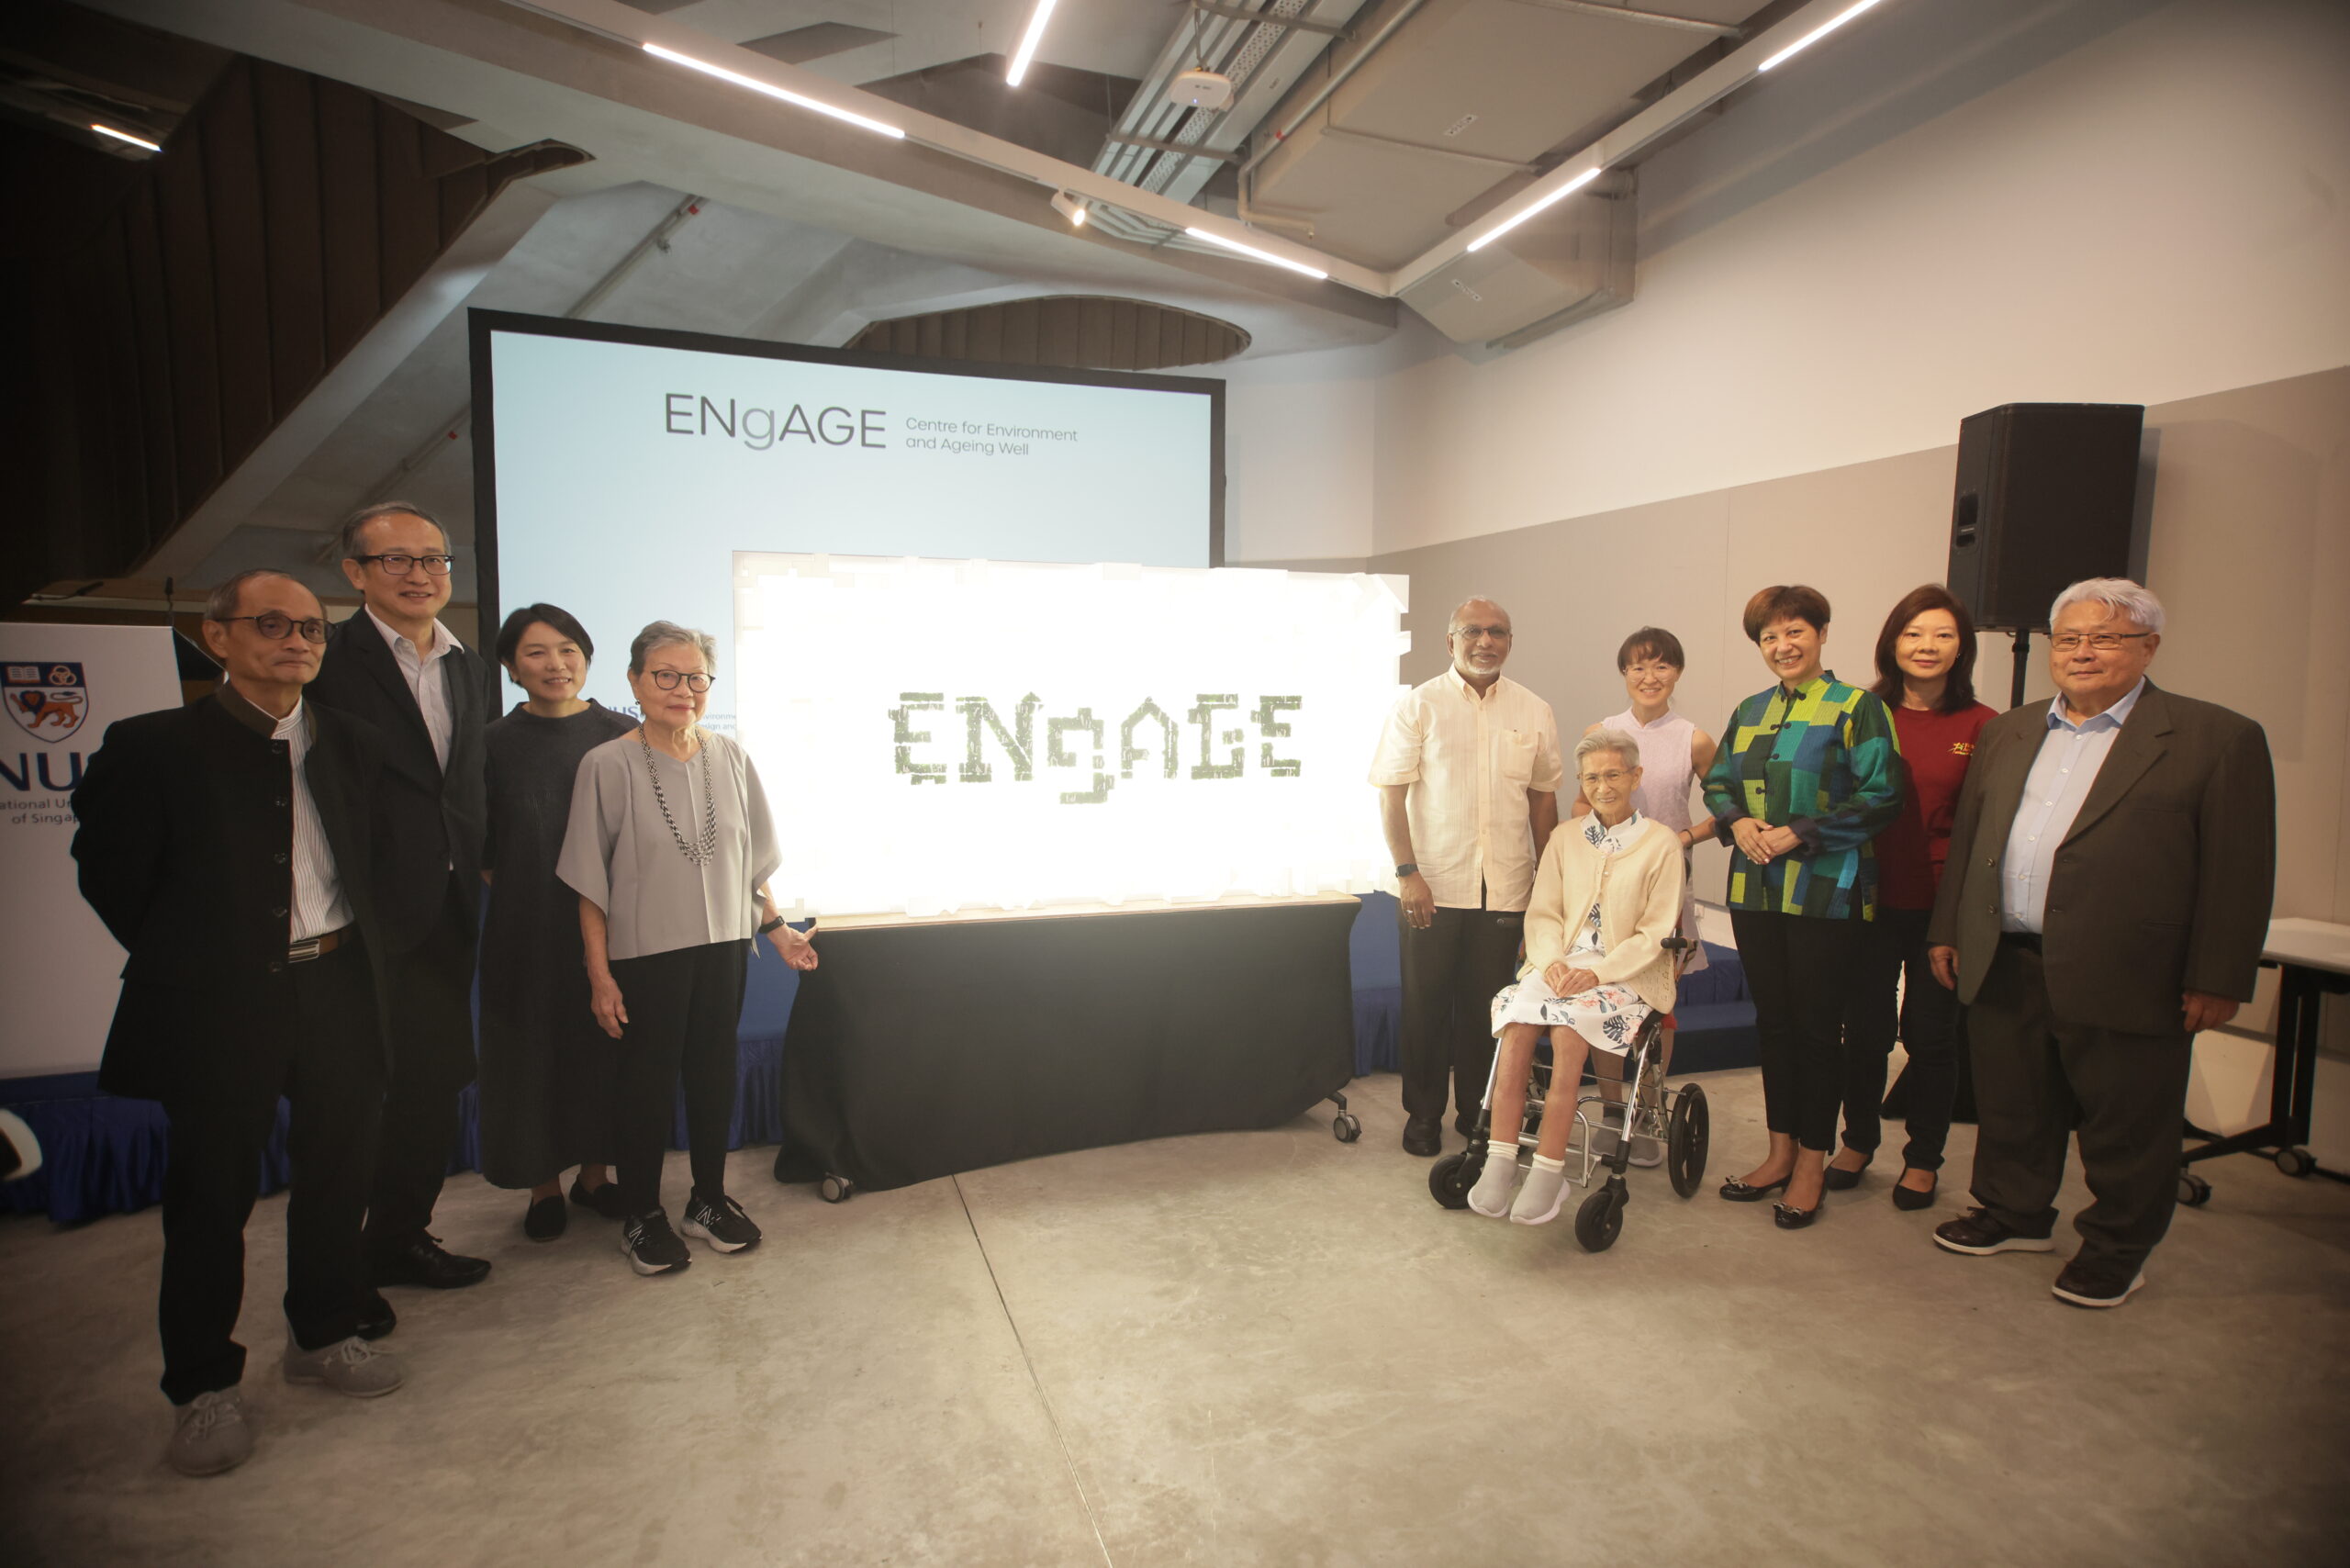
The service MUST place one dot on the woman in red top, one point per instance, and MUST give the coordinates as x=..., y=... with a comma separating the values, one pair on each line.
x=1925, y=663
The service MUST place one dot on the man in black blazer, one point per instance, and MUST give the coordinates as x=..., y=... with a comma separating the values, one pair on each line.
x=2106, y=897
x=229, y=846
x=397, y=667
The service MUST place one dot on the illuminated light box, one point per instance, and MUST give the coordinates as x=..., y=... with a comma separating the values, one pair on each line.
x=939, y=736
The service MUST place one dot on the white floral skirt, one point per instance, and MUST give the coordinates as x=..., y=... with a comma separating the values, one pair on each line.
x=1606, y=1016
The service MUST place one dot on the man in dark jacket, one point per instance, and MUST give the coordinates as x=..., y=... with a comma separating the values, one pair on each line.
x=229, y=846
x=2106, y=896
x=397, y=667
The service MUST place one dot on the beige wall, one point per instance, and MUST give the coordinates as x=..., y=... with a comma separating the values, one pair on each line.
x=2249, y=548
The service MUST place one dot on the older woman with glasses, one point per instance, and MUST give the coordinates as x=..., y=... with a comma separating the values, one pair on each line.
x=670, y=848
x=1607, y=896
x=1804, y=780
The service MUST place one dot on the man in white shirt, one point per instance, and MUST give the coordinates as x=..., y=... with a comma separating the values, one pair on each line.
x=229, y=845
x=396, y=665
x=1468, y=774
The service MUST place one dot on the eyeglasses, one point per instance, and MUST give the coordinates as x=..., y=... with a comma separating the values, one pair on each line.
x=1470, y=633
x=1608, y=779
x=399, y=563
x=1651, y=669
x=666, y=679
x=2103, y=642
x=274, y=626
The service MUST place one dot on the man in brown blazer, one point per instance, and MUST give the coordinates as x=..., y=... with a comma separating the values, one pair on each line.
x=2106, y=897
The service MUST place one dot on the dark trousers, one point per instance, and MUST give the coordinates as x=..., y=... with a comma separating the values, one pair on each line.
x=1450, y=972
x=1893, y=956
x=683, y=1007
x=320, y=1019
x=2037, y=1079
x=1799, y=970
x=428, y=1013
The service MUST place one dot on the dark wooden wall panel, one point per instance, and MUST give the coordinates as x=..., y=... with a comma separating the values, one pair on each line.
x=348, y=216
x=217, y=284
x=241, y=266
x=285, y=113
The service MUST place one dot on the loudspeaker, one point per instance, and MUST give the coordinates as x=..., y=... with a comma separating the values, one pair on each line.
x=2046, y=492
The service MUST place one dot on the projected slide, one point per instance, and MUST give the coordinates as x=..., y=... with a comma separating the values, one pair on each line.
x=942, y=735
x=621, y=470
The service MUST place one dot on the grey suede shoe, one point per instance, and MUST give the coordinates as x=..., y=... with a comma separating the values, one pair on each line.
x=210, y=1434
x=350, y=1366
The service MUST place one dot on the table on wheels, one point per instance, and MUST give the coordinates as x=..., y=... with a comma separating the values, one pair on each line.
x=2312, y=958
x=922, y=1048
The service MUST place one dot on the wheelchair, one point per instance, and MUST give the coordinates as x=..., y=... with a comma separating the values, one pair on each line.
x=1675, y=1117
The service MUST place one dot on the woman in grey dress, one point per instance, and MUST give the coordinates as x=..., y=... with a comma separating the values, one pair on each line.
x=669, y=847
x=546, y=1069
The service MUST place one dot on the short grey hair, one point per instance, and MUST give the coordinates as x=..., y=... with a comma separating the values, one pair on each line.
x=1453, y=621
x=1616, y=740
x=661, y=633
x=347, y=540
x=230, y=597
x=2124, y=597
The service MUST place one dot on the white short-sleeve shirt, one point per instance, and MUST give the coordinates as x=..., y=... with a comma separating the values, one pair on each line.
x=1473, y=762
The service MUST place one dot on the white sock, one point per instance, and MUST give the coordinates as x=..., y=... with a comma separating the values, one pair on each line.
x=1490, y=1196
x=1538, y=1199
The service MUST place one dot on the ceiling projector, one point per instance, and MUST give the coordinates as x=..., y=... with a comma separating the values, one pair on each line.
x=1200, y=88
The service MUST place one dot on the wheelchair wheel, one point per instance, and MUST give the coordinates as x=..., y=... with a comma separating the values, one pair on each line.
x=1600, y=1219
x=1450, y=1178
x=1686, y=1144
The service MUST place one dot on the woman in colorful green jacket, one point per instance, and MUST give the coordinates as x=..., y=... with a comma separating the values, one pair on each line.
x=1805, y=776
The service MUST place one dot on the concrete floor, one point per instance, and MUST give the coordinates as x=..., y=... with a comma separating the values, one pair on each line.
x=1248, y=1348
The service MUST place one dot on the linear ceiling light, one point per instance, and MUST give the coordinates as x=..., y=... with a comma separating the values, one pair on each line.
x=125, y=136
x=1252, y=250
x=771, y=90
x=1821, y=32
x=1028, y=43
x=1556, y=196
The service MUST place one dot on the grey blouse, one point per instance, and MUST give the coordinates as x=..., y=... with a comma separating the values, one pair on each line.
x=620, y=856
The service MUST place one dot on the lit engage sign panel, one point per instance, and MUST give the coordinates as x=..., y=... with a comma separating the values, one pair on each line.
x=944, y=735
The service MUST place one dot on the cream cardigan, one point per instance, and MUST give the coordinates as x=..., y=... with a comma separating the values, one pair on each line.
x=1640, y=904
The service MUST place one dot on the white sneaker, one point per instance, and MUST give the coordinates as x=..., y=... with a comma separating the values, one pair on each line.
x=210, y=1434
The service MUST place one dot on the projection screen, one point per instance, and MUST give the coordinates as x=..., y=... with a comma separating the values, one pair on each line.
x=972, y=626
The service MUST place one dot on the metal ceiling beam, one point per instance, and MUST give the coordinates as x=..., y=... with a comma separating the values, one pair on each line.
x=613, y=21
x=1335, y=30
x=1158, y=146
x=1684, y=103
x=1627, y=14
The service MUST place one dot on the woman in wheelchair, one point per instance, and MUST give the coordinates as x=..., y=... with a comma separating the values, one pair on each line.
x=1606, y=895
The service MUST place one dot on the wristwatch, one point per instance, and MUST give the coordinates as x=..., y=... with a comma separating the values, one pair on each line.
x=1408, y=869
x=770, y=925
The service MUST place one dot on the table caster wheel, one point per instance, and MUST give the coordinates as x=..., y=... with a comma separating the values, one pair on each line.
x=2295, y=1162
x=2193, y=1191
x=835, y=1189
x=1344, y=1128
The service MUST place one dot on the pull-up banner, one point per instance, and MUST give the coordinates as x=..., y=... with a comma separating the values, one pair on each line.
x=59, y=969
x=944, y=735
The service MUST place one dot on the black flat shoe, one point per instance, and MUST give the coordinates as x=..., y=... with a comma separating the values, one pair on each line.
x=543, y=1221
x=1423, y=1135
x=376, y=1317
x=1787, y=1218
x=604, y=1200
x=1842, y=1180
x=1910, y=1198
x=1737, y=1191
